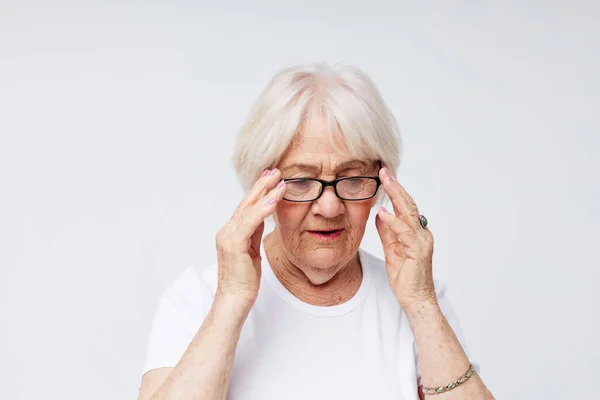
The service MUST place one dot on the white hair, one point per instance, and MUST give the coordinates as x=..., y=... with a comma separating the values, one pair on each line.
x=360, y=122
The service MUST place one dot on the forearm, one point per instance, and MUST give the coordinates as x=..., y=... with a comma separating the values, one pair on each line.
x=204, y=370
x=441, y=355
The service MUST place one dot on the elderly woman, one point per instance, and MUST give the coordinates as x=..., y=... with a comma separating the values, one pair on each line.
x=304, y=313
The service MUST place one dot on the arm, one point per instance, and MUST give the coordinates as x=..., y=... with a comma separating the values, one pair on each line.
x=408, y=249
x=204, y=370
x=441, y=356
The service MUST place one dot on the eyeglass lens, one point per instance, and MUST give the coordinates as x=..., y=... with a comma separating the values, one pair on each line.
x=347, y=189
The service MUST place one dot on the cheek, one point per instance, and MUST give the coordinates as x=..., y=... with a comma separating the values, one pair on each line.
x=358, y=215
x=290, y=216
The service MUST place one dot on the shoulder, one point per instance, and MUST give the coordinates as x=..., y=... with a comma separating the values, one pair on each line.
x=379, y=272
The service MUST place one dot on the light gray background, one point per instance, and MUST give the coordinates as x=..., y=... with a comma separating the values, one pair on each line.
x=117, y=121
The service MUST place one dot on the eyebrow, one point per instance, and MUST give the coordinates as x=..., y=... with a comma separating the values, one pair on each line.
x=340, y=167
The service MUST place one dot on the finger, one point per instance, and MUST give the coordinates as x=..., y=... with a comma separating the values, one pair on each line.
x=255, y=241
x=251, y=217
x=404, y=206
x=388, y=237
x=404, y=233
x=261, y=187
x=393, y=250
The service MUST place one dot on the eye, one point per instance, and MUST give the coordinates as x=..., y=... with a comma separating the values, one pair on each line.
x=353, y=184
x=300, y=185
x=302, y=189
x=357, y=188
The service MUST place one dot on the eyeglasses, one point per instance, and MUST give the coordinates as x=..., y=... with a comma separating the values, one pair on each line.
x=352, y=188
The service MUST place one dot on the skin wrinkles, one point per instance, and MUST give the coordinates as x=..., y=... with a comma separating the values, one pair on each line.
x=306, y=169
x=315, y=271
x=319, y=273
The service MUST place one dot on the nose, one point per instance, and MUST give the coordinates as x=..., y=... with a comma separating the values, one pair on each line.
x=328, y=205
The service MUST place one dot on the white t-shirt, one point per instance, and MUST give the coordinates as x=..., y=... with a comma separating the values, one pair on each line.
x=289, y=349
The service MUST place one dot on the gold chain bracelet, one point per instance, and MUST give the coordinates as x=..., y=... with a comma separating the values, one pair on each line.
x=451, y=385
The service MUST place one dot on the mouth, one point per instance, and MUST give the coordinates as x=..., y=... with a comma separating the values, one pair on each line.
x=327, y=235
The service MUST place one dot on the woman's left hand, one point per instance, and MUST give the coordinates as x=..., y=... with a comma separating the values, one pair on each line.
x=408, y=247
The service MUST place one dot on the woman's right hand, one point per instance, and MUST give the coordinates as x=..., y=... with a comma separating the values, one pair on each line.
x=239, y=240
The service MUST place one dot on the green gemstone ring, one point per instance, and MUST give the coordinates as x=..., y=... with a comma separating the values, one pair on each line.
x=423, y=220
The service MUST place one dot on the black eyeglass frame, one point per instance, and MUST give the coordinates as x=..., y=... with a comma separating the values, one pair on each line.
x=334, y=183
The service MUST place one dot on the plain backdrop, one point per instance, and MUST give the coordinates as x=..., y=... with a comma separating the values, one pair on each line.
x=117, y=121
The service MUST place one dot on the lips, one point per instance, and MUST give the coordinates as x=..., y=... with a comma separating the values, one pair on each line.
x=327, y=234
x=327, y=231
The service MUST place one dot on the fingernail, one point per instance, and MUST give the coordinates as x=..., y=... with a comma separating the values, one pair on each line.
x=271, y=202
x=384, y=209
x=280, y=184
x=273, y=171
x=387, y=171
x=265, y=172
x=389, y=175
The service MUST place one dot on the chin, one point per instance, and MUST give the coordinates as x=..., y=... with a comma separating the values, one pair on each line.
x=324, y=257
x=320, y=266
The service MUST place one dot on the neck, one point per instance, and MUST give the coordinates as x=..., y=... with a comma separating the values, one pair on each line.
x=340, y=282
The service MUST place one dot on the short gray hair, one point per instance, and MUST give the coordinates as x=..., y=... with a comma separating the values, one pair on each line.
x=345, y=96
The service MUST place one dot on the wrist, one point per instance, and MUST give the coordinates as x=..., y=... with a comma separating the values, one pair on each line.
x=231, y=306
x=423, y=311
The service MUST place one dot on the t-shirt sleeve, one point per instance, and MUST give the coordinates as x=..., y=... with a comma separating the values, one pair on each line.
x=169, y=335
x=181, y=310
x=450, y=315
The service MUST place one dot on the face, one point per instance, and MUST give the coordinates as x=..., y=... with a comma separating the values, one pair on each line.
x=302, y=227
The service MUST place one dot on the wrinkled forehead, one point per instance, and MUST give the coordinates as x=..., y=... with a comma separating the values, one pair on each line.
x=320, y=143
